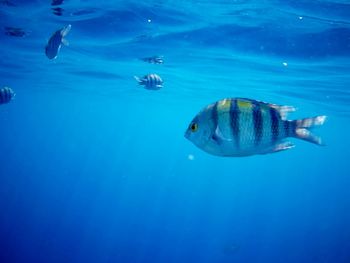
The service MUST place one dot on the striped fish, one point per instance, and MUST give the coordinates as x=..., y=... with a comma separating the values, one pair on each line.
x=6, y=95
x=150, y=81
x=243, y=127
x=154, y=59
x=55, y=42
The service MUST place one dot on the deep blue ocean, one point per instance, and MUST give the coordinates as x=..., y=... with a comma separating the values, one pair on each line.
x=95, y=168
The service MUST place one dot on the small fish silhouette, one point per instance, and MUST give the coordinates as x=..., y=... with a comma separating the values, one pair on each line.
x=150, y=81
x=154, y=59
x=56, y=40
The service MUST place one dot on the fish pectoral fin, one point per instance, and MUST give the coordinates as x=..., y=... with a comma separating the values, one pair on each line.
x=218, y=136
x=279, y=147
x=65, y=42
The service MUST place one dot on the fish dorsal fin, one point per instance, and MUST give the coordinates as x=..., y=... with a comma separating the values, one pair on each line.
x=283, y=110
x=282, y=146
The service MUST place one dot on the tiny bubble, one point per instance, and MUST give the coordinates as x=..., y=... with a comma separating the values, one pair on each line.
x=285, y=64
x=300, y=17
x=190, y=157
x=149, y=20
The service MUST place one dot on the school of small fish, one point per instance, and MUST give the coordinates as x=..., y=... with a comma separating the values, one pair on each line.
x=232, y=127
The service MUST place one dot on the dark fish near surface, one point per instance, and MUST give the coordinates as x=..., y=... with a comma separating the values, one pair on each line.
x=6, y=95
x=57, y=11
x=54, y=44
x=150, y=81
x=243, y=127
x=14, y=31
x=56, y=2
x=7, y=3
x=154, y=60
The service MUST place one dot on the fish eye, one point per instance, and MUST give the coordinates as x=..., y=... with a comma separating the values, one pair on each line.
x=194, y=127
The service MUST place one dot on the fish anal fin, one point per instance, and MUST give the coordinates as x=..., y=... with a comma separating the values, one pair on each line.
x=279, y=147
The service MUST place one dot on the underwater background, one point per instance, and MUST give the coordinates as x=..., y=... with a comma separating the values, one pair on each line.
x=95, y=168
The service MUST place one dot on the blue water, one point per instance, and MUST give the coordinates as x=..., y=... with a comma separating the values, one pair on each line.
x=94, y=168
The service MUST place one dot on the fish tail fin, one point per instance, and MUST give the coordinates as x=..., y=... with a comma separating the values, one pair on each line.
x=301, y=129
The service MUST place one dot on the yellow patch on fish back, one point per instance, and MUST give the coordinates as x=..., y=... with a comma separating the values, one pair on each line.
x=224, y=105
x=243, y=104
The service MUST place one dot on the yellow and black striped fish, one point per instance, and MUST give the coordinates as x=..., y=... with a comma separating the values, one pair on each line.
x=243, y=127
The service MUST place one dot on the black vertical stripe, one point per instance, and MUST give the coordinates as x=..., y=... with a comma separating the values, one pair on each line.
x=4, y=95
x=274, y=125
x=234, y=117
x=258, y=123
x=292, y=126
x=286, y=127
x=150, y=80
x=215, y=119
x=7, y=95
x=10, y=94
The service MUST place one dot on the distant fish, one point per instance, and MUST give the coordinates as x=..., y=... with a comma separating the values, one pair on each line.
x=243, y=127
x=56, y=2
x=56, y=40
x=150, y=81
x=58, y=11
x=154, y=59
x=14, y=31
x=7, y=3
x=6, y=95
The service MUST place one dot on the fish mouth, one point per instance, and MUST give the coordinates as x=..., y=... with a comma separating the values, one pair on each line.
x=187, y=134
